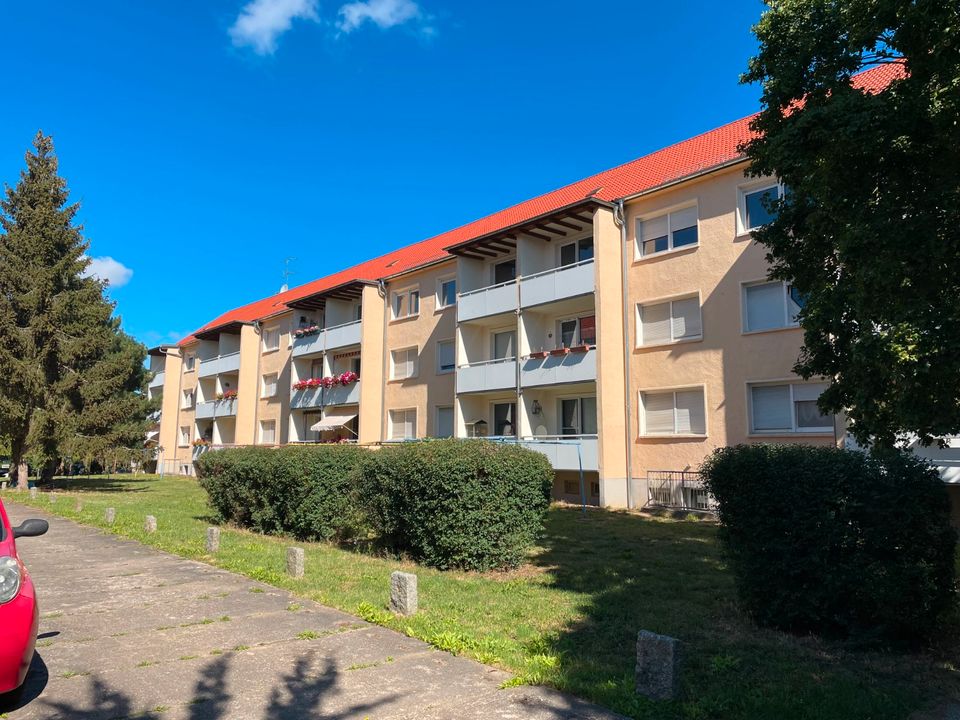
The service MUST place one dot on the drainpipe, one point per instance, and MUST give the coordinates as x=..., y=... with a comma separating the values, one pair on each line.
x=385, y=362
x=620, y=218
x=257, y=327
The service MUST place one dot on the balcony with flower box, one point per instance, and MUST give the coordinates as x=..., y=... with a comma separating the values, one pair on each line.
x=308, y=341
x=342, y=389
x=559, y=367
x=224, y=407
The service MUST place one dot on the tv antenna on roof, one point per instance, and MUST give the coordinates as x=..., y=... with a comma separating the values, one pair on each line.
x=287, y=272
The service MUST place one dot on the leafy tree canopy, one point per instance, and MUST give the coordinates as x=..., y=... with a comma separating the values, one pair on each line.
x=869, y=230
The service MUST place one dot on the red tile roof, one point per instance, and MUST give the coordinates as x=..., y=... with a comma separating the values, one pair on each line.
x=681, y=160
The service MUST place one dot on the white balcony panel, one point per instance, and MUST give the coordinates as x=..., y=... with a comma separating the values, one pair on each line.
x=487, y=301
x=308, y=344
x=343, y=335
x=563, y=451
x=492, y=375
x=308, y=398
x=219, y=364
x=216, y=408
x=573, y=367
x=559, y=284
x=320, y=397
x=157, y=380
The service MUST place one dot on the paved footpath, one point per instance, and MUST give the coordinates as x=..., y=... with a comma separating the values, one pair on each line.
x=128, y=631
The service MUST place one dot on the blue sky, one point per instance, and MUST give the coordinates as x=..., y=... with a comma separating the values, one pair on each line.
x=208, y=141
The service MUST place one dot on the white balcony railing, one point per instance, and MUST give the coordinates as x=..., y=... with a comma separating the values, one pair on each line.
x=343, y=335
x=216, y=408
x=572, y=367
x=308, y=344
x=488, y=375
x=220, y=364
x=157, y=380
x=557, y=284
x=566, y=452
x=307, y=398
x=322, y=397
x=487, y=301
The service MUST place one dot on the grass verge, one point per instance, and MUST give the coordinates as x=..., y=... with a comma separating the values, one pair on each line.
x=568, y=618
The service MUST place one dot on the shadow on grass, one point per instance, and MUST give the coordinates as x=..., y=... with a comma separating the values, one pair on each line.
x=102, y=484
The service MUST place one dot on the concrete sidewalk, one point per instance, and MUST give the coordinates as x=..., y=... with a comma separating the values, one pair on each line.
x=128, y=631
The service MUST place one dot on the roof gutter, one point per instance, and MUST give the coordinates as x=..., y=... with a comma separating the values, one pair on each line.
x=684, y=178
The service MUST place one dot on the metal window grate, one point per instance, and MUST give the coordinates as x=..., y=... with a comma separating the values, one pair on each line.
x=678, y=490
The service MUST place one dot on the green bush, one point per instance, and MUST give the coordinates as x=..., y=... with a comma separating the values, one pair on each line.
x=834, y=542
x=467, y=504
x=308, y=492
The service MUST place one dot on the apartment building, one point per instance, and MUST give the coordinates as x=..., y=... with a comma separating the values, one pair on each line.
x=623, y=325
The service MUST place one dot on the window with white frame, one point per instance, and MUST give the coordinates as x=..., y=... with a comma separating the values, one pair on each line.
x=188, y=399
x=669, y=231
x=770, y=305
x=504, y=345
x=578, y=416
x=403, y=424
x=788, y=408
x=669, y=321
x=268, y=432
x=184, y=435
x=674, y=412
x=576, y=252
x=189, y=362
x=403, y=363
x=505, y=419
x=444, y=421
x=406, y=303
x=756, y=205
x=446, y=356
x=577, y=331
x=271, y=339
x=269, y=388
x=446, y=292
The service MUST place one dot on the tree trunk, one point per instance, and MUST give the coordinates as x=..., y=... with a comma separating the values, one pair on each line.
x=23, y=475
x=18, y=468
x=48, y=471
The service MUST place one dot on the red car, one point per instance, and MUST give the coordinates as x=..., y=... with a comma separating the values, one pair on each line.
x=19, y=614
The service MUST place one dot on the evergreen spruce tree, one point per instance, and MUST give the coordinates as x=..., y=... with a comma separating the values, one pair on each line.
x=57, y=335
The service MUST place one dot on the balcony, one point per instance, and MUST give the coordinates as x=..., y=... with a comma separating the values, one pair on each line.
x=557, y=284
x=566, y=452
x=488, y=375
x=343, y=335
x=323, y=397
x=216, y=409
x=572, y=367
x=487, y=301
x=308, y=398
x=220, y=364
x=308, y=344
x=157, y=380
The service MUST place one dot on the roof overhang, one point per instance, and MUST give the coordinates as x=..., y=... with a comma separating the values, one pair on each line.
x=231, y=328
x=556, y=224
x=160, y=350
x=348, y=291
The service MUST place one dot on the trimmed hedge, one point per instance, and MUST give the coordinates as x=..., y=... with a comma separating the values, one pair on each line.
x=304, y=491
x=468, y=504
x=835, y=542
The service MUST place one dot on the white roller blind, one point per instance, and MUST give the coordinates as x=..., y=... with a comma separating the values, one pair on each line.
x=403, y=424
x=268, y=432
x=771, y=408
x=658, y=413
x=686, y=318
x=683, y=218
x=808, y=391
x=655, y=323
x=404, y=363
x=691, y=419
x=653, y=228
x=765, y=306
x=446, y=352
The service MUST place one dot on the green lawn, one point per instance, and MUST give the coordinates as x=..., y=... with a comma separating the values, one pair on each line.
x=569, y=618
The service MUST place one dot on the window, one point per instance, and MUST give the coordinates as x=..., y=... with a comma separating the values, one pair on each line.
x=504, y=345
x=189, y=362
x=184, y=436
x=269, y=388
x=271, y=339
x=444, y=421
x=577, y=331
x=505, y=271
x=403, y=424
x=406, y=303
x=679, y=412
x=358, y=311
x=770, y=305
x=575, y=252
x=504, y=419
x=268, y=432
x=188, y=398
x=669, y=321
x=788, y=408
x=578, y=416
x=667, y=232
x=755, y=205
x=447, y=293
x=404, y=363
x=446, y=351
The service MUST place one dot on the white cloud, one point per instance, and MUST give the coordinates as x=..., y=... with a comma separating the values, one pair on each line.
x=383, y=13
x=106, y=268
x=261, y=22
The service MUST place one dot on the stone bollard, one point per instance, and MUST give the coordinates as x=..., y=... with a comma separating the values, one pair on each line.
x=53, y=498
x=658, y=666
x=403, y=593
x=78, y=506
x=295, y=562
x=33, y=493
x=150, y=524
x=213, y=539
x=109, y=515
x=3, y=484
